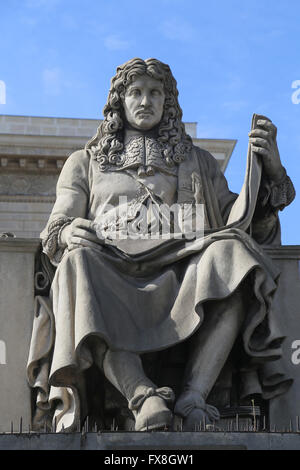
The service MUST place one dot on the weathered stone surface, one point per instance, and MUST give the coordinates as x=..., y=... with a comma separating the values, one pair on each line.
x=285, y=409
x=26, y=185
x=155, y=442
x=16, y=316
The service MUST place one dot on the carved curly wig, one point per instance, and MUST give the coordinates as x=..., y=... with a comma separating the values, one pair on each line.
x=107, y=144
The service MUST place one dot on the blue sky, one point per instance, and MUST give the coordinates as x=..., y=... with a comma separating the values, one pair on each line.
x=230, y=58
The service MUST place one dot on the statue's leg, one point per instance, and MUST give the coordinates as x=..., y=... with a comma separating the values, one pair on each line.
x=210, y=348
x=147, y=402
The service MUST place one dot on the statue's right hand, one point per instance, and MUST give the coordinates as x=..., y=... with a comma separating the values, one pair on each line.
x=80, y=232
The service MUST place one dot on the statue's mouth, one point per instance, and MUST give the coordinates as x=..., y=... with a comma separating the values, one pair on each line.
x=144, y=113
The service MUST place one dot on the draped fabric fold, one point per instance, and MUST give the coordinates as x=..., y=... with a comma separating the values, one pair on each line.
x=56, y=407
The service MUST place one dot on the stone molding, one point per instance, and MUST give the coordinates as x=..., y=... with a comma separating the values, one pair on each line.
x=283, y=251
x=19, y=245
x=26, y=198
x=221, y=149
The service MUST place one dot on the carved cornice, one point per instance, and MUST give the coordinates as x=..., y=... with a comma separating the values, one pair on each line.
x=36, y=154
x=19, y=245
x=283, y=251
x=221, y=149
x=25, y=198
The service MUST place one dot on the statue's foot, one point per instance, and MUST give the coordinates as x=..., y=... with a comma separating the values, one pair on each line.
x=194, y=411
x=153, y=415
x=149, y=407
x=196, y=420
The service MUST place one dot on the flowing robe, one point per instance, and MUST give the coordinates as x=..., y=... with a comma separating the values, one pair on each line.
x=144, y=300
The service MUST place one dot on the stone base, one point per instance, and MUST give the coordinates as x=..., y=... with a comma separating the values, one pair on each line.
x=157, y=441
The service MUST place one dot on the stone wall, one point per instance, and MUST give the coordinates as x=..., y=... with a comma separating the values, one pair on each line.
x=16, y=316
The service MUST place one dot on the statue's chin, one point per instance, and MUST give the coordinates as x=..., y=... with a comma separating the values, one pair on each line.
x=143, y=124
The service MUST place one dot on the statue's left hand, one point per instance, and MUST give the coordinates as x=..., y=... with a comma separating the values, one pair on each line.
x=263, y=140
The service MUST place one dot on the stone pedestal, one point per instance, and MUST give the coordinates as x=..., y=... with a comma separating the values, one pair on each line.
x=16, y=316
x=113, y=444
x=284, y=411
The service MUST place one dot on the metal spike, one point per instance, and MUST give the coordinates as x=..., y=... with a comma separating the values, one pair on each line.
x=297, y=421
x=11, y=427
x=54, y=430
x=21, y=422
x=254, y=415
x=237, y=422
x=291, y=426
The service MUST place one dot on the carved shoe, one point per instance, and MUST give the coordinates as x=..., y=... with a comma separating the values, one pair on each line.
x=192, y=407
x=150, y=409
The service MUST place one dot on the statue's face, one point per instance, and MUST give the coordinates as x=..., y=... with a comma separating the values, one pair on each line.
x=143, y=102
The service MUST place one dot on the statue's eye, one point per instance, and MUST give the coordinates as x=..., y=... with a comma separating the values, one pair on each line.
x=155, y=92
x=135, y=92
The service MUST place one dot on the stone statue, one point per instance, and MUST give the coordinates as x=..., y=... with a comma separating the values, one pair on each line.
x=113, y=301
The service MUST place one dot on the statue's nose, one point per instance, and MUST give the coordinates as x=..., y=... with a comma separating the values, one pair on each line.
x=145, y=100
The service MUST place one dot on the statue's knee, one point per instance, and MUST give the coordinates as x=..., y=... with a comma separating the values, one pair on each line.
x=77, y=254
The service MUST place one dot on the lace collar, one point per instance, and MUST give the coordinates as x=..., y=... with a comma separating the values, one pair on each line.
x=143, y=152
